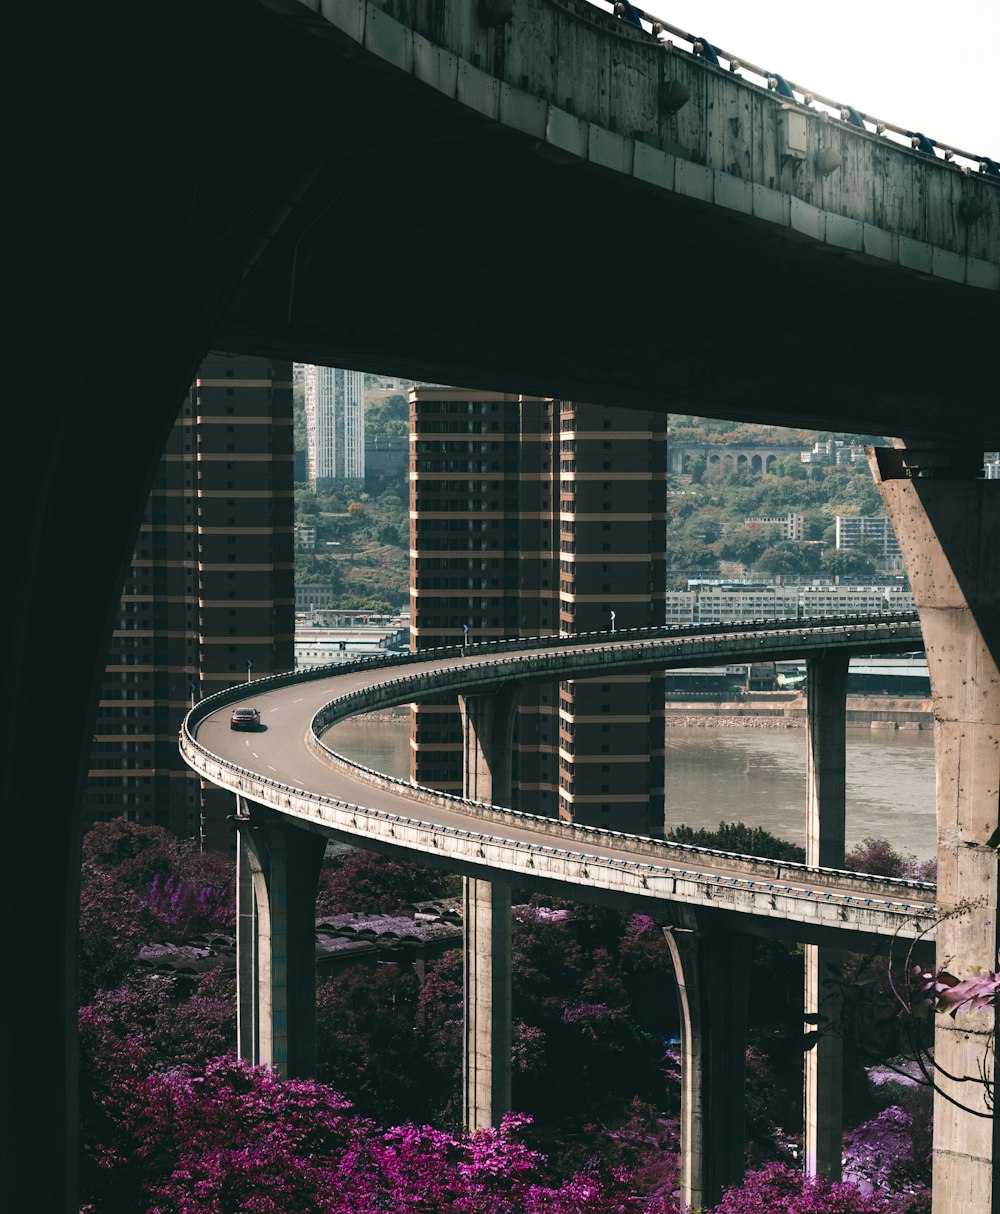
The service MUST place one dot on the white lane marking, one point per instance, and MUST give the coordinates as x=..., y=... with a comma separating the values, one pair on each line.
x=255, y=754
x=299, y=700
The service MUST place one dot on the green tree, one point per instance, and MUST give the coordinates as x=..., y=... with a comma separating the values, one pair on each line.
x=745, y=544
x=841, y=562
x=388, y=418
x=793, y=468
x=788, y=557
x=696, y=468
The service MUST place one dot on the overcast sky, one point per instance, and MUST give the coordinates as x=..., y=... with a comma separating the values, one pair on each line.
x=927, y=66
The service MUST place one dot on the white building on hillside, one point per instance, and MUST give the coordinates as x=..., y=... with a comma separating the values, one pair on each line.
x=729, y=602
x=791, y=526
x=335, y=426
x=876, y=531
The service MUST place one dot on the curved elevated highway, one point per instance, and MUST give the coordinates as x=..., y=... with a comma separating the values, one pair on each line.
x=286, y=766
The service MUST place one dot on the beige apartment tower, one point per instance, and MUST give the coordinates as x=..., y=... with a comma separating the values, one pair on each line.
x=208, y=599
x=529, y=517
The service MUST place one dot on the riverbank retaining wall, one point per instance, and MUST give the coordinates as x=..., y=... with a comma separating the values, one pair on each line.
x=784, y=711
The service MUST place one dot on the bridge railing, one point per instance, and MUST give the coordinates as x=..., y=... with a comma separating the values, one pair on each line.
x=692, y=44
x=669, y=854
x=907, y=913
x=231, y=695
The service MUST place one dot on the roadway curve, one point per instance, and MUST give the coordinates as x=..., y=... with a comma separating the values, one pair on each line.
x=286, y=766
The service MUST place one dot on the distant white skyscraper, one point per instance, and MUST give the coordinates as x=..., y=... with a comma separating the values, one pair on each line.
x=335, y=426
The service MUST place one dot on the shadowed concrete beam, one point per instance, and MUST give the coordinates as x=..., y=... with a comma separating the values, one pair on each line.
x=947, y=521
x=823, y=1071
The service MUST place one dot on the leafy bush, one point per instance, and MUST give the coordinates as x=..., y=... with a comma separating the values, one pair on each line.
x=226, y=1136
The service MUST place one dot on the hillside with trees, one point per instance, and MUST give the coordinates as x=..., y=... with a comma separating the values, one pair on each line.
x=362, y=536
x=707, y=527
x=362, y=543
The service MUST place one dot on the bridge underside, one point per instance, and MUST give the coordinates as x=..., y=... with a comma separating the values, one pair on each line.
x=439, y=245
x=322, y=206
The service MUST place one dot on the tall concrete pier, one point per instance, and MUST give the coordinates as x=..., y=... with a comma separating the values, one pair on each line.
x=712, y=969
x=487, y=731
x=947, y=521
x=277, y=875
x=826, y=771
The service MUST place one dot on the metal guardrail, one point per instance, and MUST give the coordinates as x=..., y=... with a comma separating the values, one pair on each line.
x=768, y=874
x=665, y=33
x=485, y=648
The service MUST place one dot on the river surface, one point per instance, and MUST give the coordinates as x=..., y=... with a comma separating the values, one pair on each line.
x=757, y=776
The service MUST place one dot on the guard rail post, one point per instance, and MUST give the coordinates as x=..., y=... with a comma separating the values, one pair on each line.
x=826, y=767
x=713, y=976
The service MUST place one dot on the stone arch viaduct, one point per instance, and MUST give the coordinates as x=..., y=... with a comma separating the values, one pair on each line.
x=724, y=459
x=569, y=206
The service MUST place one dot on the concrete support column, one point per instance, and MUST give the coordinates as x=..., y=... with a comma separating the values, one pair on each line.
x=712, y=971
x=826, y=759
x=251, y=893
x=488, y=741
x=486, y=1069
x=826, y=765
x=487, y=730
x=277, y=874
x=947, y=521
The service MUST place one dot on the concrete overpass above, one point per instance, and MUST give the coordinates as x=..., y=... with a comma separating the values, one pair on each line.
x=571, y=206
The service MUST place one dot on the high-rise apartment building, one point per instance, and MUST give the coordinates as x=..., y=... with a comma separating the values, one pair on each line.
x=528, y=517
x=209, y=596
x=335, y=426
x=874, y=530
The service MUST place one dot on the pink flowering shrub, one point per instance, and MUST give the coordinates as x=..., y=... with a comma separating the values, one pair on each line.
x=943, y=992
x=881, y=1153
x=114, y=924
x=188, y=906
x=362, y=881
x=227, y=1138
x=175, y=1021
x=779, y=1189
x=139, y=883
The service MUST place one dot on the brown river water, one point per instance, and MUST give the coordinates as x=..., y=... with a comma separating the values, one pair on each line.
x=757, y=776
